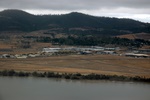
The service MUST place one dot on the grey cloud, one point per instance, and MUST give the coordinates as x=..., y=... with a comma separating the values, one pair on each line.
x=73, y=4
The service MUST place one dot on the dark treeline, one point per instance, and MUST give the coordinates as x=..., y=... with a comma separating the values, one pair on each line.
x=94, y=41
x=75, y=76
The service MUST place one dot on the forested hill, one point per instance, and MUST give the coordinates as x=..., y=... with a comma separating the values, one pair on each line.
x=17, y=20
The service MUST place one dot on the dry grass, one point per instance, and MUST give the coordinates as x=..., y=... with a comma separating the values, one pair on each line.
x=144, y=36
x=5, y=46
x=128, y=36
x=100, y=64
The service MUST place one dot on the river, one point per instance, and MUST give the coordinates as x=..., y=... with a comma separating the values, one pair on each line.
x=30, y=88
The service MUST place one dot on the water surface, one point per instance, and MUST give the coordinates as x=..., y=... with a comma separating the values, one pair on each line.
x=15, y=88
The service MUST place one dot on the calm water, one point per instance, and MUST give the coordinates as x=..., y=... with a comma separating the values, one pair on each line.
x=56, y=89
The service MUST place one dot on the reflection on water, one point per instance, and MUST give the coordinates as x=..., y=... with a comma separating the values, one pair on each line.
x=16, y=88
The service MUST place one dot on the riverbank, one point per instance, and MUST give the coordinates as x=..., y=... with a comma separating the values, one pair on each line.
x=75, y=76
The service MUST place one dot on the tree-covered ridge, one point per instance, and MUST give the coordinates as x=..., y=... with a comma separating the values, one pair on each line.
x=23, y=21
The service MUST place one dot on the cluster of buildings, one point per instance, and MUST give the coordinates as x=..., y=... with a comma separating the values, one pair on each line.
x=65, y=50
x=144, y=53
x=83, y=50
x=20, y=55
x=80, y=51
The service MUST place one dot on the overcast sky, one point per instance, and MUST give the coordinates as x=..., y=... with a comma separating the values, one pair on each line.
x=135, y=9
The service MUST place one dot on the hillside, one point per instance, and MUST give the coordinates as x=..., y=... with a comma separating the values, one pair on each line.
x=143, y=36
x=17, y=20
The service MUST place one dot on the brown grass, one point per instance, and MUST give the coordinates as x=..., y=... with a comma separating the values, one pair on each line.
x=100, y=64
x=5, y=46
x=144, y=36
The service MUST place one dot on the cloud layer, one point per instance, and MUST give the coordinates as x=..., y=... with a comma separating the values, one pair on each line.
x=73, y=4
x=96, y=7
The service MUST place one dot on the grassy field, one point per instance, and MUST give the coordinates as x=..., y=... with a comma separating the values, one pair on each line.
x=144, y=36
x=100, y=64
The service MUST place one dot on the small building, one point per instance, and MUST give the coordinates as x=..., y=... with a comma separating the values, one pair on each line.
x=33, y=55
x=86, y=52
x=137, y=55
x=7, y=56
x=110, y=49
x=69, y=49
x=51, y=50
x=21, y=56
x=109, y=52
x=97, y=48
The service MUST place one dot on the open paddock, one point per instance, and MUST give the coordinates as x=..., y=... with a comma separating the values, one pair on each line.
x=85, y=64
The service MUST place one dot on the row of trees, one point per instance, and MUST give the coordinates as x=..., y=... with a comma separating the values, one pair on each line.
x=76, y=76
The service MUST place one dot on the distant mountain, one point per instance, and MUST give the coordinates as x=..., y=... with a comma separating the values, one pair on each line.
x=17, y=20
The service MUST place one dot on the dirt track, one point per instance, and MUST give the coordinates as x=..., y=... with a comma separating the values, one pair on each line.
x=100, y=64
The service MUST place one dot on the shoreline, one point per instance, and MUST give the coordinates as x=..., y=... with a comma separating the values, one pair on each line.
x=74, y=76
